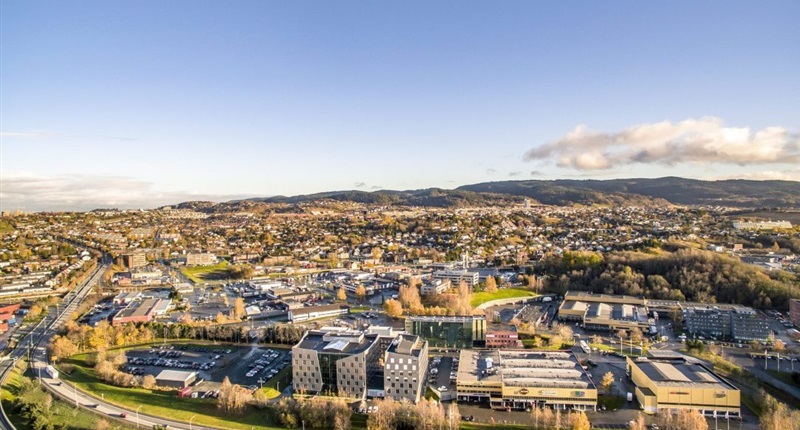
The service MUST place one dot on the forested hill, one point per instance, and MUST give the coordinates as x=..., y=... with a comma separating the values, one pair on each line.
x=565, y=192
x=687, y=274
x=735, y=192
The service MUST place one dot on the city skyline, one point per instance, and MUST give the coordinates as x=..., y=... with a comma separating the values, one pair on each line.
x=145, y=104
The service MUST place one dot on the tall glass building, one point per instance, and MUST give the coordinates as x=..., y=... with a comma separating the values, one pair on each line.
x=449, y=332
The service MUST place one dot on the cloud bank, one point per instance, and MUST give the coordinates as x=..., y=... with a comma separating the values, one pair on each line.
x=705, y=140
x=32, y=192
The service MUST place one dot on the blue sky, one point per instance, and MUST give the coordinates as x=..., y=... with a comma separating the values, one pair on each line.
x=138, y=104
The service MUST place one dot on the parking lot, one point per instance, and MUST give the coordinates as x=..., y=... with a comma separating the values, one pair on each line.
x=442, y=373
x=247, y=366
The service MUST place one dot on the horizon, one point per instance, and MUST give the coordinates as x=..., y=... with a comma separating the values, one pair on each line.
x=241, y=198
x=148, y=104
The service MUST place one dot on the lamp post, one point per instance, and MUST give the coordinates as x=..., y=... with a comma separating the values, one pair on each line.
x=137, y=415
x=190, y=421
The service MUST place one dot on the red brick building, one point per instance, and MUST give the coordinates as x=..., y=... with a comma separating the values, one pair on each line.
x=502, y=336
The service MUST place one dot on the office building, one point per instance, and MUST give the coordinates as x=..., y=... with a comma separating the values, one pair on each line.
x=735, y=322
x=405, y=365
x=201, y=259
x=449, y=332
x=524, y=379
x=317, y=312
x=682, y=384
x=456, y=276
x=434, y=287
x=502, y=336
x=356, y=365
x=134, y=260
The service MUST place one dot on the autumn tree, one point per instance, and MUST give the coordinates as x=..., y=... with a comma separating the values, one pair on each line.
x=636, y=335
x=410, y=299
x=149, y=382
x=607, y=382
x=692, y=419
x=580, y=421
x=238, y=308
x=341, y=294
x=776, y=415
x=62, y=347
x=393, y=308
x=226, y=301
x=232, y=398
x=491, y=285
x=638, y=423
x=361, y=292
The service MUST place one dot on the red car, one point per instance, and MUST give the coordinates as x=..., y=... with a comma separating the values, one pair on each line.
x=123, y=415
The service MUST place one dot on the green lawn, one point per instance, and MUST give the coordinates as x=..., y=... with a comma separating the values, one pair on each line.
x=164, y=403
x=505, y=293
x=197, y=274
x=63, y=412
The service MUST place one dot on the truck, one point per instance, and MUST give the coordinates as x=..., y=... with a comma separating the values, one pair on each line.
x=51, y=371
x=630, y=396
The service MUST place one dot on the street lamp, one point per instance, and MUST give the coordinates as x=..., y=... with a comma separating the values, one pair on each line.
x=190, y=421
x=137, y=415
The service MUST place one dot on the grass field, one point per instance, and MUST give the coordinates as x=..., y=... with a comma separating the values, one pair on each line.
x=612, y=403
x=505, y=293
x=164, y=403
x=198, y=274
x=64, y=413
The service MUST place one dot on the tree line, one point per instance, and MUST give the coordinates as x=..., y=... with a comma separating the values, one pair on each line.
x=686, y=274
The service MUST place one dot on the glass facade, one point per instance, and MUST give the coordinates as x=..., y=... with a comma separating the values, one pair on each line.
x=327, y=369
x=449, y=332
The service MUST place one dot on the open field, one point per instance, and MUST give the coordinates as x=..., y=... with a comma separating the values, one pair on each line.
x=505, y=293
x=63, y=413
x=199, y=274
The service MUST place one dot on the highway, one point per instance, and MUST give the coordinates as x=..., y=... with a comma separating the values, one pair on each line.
x=35, y=343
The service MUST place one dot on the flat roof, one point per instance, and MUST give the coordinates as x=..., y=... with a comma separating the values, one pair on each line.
x=337, y=342
x=175, y=375
x=407, y=344
x=523, y=368
x=686, y=374
x=323, y=308
x=138, y=309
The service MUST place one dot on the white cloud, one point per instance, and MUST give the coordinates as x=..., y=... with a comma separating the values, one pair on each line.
x=705, y=140
x=85, y=192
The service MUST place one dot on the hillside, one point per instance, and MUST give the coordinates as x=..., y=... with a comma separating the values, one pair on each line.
x=737, y=193
x=565, y=192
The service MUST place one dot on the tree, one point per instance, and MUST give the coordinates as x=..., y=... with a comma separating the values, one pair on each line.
x=361, y=292
x=556, y=341
x=491, y=285
x=226, y=301
x=779, y=346
x=776, y=415
x=636, y=335
x=62, y=347
x=232, y=398
x=638, y=423
x=409, y=298
x=393, y=308
x=149, y=382
x=580, y=421
x=607, y=382
x=692, y=419
x=238, y=308
x=565, y=331
x=341, y=294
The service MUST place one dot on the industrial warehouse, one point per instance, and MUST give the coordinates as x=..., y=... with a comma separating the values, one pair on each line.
x=679, y=383
x=522, y=379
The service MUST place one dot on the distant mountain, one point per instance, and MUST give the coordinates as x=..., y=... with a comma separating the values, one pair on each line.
x=431, y=197
x=735, y=192
x=565, y=192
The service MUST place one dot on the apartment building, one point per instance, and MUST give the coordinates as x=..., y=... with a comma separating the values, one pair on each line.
x=134, y=259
